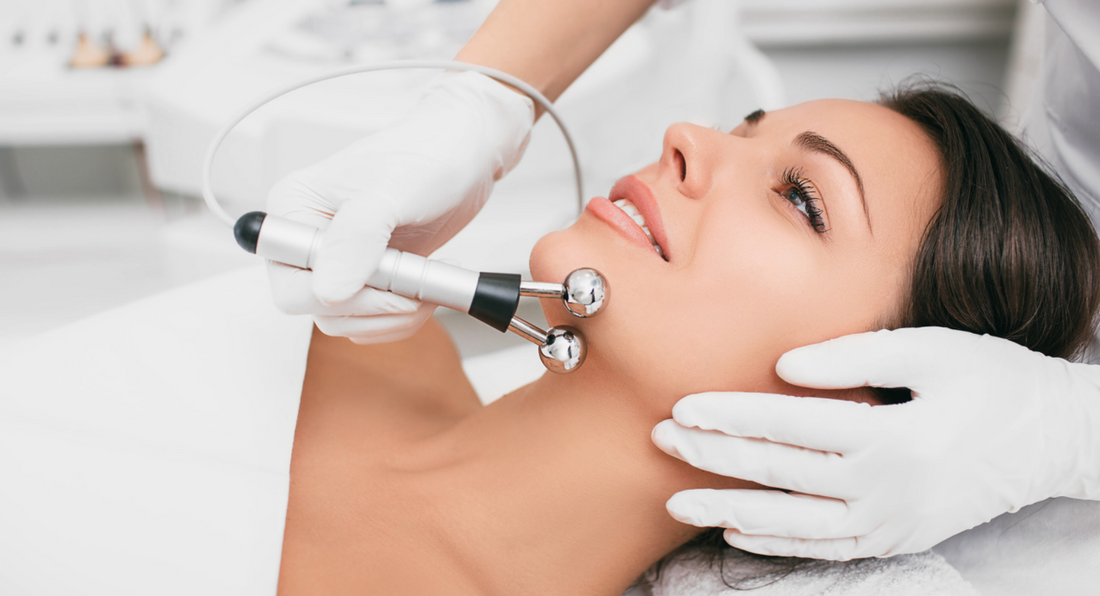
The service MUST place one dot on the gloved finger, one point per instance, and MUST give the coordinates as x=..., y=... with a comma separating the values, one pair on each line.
x=398, y=334
x=839, y=549
x=362, y=329
x=763, y=513
x=897, y=358
x=379, y=339
x=292, y=291
x=814, y=423
x=351, y=248
x=755, y=460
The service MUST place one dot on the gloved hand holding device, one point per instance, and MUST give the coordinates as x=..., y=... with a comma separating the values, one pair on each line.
x=992, y=427
x=413, y=186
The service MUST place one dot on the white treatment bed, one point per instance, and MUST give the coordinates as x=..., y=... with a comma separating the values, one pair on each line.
x=146, y=450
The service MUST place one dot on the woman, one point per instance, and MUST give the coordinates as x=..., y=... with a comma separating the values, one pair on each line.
x=824, y=219
x=462, y=136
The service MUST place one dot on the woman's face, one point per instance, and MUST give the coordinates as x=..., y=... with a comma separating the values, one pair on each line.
x=798, y=226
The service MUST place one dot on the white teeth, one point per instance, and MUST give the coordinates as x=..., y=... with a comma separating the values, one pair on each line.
x=629, y=209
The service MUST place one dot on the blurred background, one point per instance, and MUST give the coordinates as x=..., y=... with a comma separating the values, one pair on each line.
x=106, y=107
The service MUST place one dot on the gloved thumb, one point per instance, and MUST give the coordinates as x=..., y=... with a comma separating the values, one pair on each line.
x=886, y=358
x=351, y=248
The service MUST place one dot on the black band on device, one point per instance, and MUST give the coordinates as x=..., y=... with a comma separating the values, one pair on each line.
x=496, y=299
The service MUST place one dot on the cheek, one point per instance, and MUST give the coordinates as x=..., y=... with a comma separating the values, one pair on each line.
x=717, y=319
x=755, y=288
x=750, y=289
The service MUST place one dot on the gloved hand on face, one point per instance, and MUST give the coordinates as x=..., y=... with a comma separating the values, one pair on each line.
x=992, y=427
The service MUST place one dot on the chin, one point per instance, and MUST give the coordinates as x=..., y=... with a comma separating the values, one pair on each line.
x=555, y=255
x=619, y=345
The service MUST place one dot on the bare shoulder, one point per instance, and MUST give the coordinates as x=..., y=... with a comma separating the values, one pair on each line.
x=362, y=408
x=414, y=383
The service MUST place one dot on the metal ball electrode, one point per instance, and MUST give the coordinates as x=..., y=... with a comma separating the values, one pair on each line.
x=563, y=350
x=585, y=292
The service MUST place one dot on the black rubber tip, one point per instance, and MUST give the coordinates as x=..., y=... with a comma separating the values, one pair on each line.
x=247, y=230
x=496, y=299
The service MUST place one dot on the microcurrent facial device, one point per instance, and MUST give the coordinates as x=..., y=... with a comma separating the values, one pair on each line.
x=489, y=297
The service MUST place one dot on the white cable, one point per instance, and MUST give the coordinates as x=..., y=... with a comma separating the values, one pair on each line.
x=208, y=192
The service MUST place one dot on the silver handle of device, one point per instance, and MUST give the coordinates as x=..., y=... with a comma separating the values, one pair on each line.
x=414, y=276
x=402, y=273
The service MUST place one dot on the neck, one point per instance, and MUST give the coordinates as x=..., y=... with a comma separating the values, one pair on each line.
x=557, y=487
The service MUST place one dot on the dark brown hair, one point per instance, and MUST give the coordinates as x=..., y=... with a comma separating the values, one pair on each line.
x=1010, y=253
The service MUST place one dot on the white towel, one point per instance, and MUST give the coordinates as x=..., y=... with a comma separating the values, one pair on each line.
x=921, y=574
x=1051, y=547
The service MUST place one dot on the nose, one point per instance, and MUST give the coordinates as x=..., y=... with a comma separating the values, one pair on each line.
x=690, y=153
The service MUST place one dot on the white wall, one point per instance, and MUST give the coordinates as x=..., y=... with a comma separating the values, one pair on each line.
x=859, y=72
x=822, y=48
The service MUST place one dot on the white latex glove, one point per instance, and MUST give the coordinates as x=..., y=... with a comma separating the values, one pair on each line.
x=413, y=186
x=992, y=427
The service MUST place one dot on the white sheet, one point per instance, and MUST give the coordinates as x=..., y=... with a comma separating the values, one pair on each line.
x=124, y=474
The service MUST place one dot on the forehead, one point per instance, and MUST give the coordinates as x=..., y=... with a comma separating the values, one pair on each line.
x=860, y=128
x=898, y=162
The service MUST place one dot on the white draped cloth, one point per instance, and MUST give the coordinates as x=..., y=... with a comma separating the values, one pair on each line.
x=146, y=450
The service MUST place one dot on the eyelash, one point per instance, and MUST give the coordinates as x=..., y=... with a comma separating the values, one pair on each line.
x=793, y=180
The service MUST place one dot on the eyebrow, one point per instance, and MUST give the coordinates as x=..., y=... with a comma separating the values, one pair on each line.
x=755, y=117
x=811, y=141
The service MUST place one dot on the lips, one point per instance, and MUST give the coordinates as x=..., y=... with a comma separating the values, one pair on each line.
x=632, y=211
x=636, y=201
